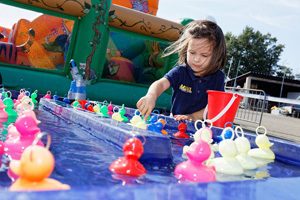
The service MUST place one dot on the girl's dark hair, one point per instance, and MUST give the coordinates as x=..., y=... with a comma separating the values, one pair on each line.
x=203, y=29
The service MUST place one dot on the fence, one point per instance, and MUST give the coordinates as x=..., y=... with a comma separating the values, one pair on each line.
x=252, y=106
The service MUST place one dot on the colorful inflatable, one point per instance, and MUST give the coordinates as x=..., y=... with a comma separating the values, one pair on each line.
x=111, y=44
x=146, y=6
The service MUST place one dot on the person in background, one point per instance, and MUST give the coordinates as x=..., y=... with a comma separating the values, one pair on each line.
x=202, y=54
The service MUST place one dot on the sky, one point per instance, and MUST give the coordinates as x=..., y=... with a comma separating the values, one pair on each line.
x=280, y=18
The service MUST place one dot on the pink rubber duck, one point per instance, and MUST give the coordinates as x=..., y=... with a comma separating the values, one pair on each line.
x=129, y=165
x=181, y=133
x=20, y=97
x=1, y=148
x=27, y=127
x=193, y=169
x=48, y=95
x=12, y=131
x=110, y=109
x=29, y=112
x=3, y=114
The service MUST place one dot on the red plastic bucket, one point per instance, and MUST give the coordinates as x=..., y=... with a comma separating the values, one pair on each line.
x=222, y=107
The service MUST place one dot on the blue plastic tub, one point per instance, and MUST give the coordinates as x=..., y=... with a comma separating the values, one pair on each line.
x=84, y=145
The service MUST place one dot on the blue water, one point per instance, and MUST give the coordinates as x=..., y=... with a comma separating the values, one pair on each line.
x=83, y=158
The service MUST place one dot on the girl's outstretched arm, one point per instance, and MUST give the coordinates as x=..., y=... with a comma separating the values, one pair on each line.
x=191, y=117
x=147, y=103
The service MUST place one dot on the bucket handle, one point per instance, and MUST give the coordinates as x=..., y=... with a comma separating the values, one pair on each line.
x=234, y=96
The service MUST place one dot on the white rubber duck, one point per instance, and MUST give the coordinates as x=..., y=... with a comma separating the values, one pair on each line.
x=26, y=100
x=227, y=164
x=203, y=133
x=243, y=146
x=263, y=151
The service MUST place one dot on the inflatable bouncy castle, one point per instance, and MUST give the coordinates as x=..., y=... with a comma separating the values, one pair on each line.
x=117, y=47
x=146, y=6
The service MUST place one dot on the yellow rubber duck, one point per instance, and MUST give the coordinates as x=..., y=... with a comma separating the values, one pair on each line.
x=263, y=151
x=136, y=119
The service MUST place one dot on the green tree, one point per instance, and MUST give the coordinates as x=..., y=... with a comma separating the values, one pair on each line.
x=255, y=52
x=285, y=71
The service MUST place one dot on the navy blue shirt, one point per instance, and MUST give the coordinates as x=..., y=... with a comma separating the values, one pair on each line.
x=189, y=91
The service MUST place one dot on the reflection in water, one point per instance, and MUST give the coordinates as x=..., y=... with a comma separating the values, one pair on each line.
x=126, y=180
x=86, y=159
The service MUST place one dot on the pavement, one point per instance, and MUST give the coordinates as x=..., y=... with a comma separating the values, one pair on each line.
x=278, y=126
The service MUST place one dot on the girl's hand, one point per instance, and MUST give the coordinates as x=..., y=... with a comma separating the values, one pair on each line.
x=145, y=105
x=183, y=117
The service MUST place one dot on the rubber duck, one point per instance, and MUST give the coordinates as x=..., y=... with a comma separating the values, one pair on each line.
x=243, y=146
x=122, y=112
x=34, y=168
x=76, y=104
x=163, y=131
x=48, y=95
x=110, y=109
x=203, y=134
x=193, y=169
x=3, y=114
x=104, y=110
x=136, y=119
x=116, y=116
x=181, y=133
x=26, y=100
x=262, y=141
x=26, y=126
x=29, y=111
x=142, y=124
x=154, y=117
x=66, y=99
x=12, y=131
x=83, y=103
x=228, y=164
x=227, y=134
x=97, y=107
x=22, y=94
x=90, y=108
x=129, y=165
x=28, y=92
x=55, y=97
x=9, y=107
x=1, y=148
x=33, y=97
x=156, y=127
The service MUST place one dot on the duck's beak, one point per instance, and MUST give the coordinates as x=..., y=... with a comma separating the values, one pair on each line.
x=271, y=144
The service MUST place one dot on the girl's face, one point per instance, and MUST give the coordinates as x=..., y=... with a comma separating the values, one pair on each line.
x=199, y=54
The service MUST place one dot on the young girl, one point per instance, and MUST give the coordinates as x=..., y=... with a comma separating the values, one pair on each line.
x=202, y=53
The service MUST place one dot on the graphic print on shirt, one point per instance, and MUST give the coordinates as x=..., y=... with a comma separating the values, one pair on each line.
x=185, y=88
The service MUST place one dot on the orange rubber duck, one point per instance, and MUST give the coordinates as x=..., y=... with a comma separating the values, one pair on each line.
x=34, y=168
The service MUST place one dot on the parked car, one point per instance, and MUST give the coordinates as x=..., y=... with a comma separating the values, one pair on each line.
x=296, y=109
